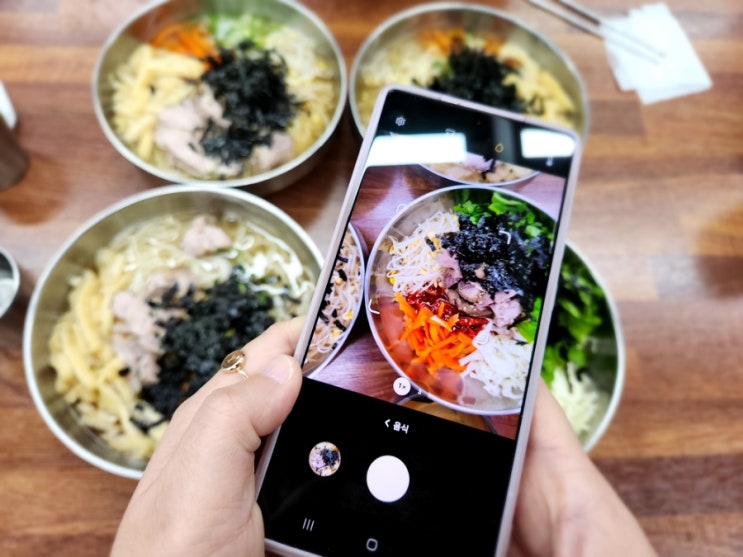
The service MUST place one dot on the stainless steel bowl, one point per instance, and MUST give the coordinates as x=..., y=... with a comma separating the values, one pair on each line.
x=10, y=280
x=144, y=24
x=49, y=298
x=479, y=20
x=605, y=365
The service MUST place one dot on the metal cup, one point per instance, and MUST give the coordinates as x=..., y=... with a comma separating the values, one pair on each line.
x=13, y=159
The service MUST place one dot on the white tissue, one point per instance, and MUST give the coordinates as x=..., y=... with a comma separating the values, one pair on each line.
x=679, y=72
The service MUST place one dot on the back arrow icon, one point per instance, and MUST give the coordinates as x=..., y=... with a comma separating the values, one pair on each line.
x=387, y=422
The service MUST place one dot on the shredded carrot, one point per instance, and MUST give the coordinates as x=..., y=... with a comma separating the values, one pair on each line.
x=447, y=41
x=443, y=40
x=189, y=38
x=493, y=44
x=432, y=337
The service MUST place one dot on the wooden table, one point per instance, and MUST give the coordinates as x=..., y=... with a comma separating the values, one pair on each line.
x=658, y=211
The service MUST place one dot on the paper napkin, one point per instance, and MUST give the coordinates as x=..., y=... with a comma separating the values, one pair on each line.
x=678, y=72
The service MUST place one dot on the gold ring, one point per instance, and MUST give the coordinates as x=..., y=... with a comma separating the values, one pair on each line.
x=233, y=363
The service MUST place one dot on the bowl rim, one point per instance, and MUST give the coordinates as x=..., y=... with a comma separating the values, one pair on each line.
x=483, y=9
x=254, y=180
x=343, y=338
x=614, y=400
x=376, y=248
x=14, y=277
x=33, y=306
x=505, y=184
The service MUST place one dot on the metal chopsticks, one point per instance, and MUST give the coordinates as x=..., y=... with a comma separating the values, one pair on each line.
x=596, y=25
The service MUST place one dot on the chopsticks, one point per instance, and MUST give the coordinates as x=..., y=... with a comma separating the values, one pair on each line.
x=595, y=24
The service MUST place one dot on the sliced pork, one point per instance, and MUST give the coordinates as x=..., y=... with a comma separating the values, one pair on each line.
x=136, y=338
x=203, y=238
x=180, y=129
x=266, y=157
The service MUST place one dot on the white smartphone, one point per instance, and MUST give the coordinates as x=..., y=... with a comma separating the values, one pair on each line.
x=423, y=347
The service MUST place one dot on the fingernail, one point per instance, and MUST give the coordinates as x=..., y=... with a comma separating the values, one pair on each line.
x=279, y=369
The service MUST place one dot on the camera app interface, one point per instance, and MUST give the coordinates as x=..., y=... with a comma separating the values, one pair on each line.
x=416, y=372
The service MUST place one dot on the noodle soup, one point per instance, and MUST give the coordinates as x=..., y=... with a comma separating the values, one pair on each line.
x=253, y=95
x=473, y=52
x=174, y=295
x=230, y=94
x=139, y=308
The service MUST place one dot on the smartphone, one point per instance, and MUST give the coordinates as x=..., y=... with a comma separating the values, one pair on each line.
x=422, y=350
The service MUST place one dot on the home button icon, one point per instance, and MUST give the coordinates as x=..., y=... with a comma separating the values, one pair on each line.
x=371, y=545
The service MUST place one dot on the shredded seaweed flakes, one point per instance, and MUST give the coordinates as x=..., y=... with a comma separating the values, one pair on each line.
x=217, y=321
x=250, y=84
x=474, y=75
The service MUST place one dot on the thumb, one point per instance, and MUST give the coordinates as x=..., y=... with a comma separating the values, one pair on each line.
x=201, y=491
x=228, y=425
x=266, y=357
x=216, y=454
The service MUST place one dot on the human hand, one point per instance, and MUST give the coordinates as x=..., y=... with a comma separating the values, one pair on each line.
x=565, y=506
x=197, y=495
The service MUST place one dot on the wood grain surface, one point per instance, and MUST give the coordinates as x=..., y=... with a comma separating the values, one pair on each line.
x=658, y=212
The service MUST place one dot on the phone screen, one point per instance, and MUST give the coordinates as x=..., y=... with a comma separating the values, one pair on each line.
x=426, y=337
